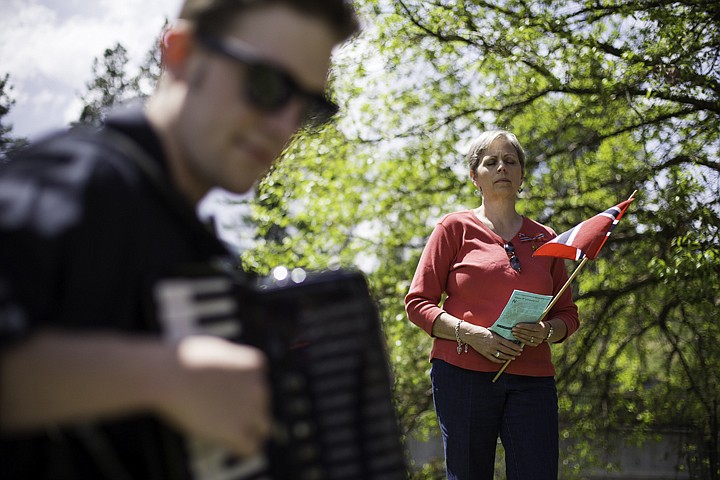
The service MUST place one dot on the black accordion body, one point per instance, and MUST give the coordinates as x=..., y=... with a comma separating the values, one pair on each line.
x=334, y=416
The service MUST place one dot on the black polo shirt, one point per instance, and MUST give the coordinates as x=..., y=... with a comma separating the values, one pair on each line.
x=84, y=238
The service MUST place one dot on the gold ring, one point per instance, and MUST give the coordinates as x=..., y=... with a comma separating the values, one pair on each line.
x=497, y=354
x=532, y=339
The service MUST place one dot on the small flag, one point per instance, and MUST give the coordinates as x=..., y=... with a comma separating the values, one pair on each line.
x=586, y=238
x=583, y=241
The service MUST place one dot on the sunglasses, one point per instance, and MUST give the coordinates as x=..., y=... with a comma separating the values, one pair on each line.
x=270, y=88
x=514, y=261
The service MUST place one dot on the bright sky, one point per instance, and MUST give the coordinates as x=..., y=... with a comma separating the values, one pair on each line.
x=48, y=46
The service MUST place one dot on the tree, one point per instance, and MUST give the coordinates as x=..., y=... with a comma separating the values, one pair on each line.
x=111, y=85
x=151, y=68
x=8, y=143
x=607, y=97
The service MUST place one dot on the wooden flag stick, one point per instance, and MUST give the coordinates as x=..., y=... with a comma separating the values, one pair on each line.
x=547, y=310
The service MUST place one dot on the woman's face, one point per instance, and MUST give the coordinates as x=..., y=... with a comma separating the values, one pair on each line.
x=499, y=172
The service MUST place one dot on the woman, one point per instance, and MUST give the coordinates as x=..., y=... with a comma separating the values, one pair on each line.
x=477, y=258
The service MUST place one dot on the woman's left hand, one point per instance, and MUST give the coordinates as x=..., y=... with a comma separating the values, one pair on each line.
x=531, y=334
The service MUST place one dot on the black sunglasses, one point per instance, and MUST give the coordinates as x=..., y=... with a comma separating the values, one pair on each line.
x=270, y=88
x=514, y=261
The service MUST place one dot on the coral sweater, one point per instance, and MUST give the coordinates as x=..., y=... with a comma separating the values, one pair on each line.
x=466, y=260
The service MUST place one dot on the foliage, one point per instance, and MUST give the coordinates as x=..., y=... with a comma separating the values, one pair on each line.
x=607, y=97
x=151, y=68
x=112, y=84
x=8, y=143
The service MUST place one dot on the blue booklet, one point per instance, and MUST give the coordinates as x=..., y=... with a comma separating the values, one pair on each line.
x=523, y=307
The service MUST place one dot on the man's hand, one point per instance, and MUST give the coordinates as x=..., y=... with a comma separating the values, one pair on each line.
x=220, y=393
x=206, y=386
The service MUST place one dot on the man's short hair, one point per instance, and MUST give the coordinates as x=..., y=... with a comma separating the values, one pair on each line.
x=214, y=16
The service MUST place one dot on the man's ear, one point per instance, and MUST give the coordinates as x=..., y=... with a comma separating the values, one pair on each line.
x=177, y=44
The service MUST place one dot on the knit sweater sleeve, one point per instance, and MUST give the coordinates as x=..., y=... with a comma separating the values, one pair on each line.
x=429, y=282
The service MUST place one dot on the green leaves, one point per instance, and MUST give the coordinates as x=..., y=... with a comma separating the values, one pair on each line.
x=112, y=84
x=606, y=98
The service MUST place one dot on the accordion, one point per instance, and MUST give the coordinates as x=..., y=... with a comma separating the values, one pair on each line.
x=333, y=410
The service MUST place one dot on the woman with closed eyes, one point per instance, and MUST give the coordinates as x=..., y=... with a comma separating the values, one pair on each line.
x=475, y=259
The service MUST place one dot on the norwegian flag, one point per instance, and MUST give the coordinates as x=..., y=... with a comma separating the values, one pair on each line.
x=586, y=238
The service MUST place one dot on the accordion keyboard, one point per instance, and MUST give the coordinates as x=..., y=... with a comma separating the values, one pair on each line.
x=332, y=398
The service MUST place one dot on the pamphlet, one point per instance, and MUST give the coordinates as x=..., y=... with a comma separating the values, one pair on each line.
x=523, y=307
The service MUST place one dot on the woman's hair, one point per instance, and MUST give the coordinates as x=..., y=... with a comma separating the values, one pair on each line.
x=214, y=16
x=481, y=143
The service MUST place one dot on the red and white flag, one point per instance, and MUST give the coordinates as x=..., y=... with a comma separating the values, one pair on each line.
x=586, y=238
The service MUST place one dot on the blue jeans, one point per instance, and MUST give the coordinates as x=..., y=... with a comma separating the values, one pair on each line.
x=473, y=412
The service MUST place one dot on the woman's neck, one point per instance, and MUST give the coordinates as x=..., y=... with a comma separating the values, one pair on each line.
x=500, y=217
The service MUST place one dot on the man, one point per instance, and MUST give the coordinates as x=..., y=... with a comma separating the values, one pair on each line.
x=95, y=226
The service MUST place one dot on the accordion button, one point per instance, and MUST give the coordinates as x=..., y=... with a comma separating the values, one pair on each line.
x=297, y=407
x=302, y=430
x=306, y=453
x=312, y=474
x=292, y=383
x=281, y=436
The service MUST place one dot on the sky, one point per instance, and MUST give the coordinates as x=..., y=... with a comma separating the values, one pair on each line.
x=48, y=47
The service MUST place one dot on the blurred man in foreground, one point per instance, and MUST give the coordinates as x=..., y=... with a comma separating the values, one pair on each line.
x=93, y=225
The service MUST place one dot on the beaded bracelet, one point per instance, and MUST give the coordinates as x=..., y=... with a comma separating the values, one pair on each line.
x=457, y=337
